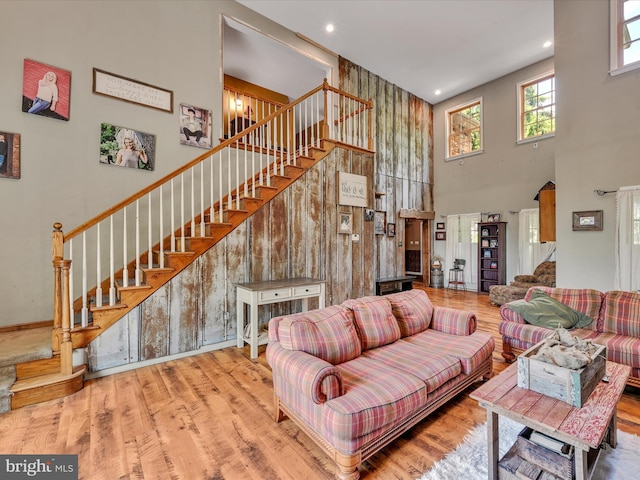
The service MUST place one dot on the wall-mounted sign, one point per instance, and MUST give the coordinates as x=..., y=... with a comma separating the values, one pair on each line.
x=352, y=189
x=132, y=91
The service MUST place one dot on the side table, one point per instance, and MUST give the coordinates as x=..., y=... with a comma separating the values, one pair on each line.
x=584, y=428
x=272, y=291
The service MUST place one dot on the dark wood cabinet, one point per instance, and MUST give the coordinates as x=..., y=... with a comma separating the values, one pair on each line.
x=492, y=255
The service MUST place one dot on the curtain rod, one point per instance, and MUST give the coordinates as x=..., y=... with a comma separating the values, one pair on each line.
x=602, y=193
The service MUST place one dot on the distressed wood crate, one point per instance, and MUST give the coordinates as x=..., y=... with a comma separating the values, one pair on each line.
x=570, y=386
x=555, y=463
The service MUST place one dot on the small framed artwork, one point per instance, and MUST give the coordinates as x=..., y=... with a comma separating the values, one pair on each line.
x=368, y=215
x=485, y=242
x=440, y=226
x=345, y=222
x=124, y=147
x=493, y=217
x=590, y=220
x=195, y=126
x=379, y=221
x=132, y=91
x=391, y=229
x=45, y=90
x=486, y=253
x=441, y=235
x=485, y=232
x=493, y=243
x=9, y=155
x=493, y=264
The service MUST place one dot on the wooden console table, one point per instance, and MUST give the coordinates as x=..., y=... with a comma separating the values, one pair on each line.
x=271, y=291
x=585, y=428
x=390, y=285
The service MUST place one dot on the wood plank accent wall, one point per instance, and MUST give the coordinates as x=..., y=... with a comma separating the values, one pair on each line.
x=295, y=235
x=403, y=163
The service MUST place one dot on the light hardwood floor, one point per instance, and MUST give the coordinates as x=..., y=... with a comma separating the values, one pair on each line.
x=210, y=417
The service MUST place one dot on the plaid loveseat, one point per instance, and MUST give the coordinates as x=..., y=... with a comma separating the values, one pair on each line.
x=616, y=324
x=356, y=376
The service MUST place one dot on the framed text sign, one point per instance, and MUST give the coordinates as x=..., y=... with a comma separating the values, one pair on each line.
x=352, y=189
x=133, y=91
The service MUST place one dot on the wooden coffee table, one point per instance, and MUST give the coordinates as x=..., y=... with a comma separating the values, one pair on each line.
x=584, y=428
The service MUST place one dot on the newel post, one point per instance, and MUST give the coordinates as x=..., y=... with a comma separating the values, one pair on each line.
x=57, y=254
x=66, y=346
x=325, y=124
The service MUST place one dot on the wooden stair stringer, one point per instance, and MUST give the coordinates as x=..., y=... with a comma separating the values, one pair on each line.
x=131, y=297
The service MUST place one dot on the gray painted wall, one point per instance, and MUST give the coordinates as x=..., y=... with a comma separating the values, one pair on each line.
x=507, y=176
x=598, y=141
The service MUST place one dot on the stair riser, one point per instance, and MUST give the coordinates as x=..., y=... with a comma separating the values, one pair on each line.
x=47, y=392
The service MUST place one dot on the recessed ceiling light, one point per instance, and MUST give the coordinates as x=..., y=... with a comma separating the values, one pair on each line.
x=438, y=92
x=329, y=27
x=547, y=44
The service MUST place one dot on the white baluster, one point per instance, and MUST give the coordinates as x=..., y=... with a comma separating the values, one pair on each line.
x=161, y=230
x=138, y=272
x=125, y=262
x=149, y=237
x=85, y=309
x=193, y=201
x=112, y=275
x=71, y=282
x=98, y=269
x=173, y=219
x=202, y=228
x=182, y=212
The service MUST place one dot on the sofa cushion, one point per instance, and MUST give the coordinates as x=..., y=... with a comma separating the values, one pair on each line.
x=471, y=350
x=620, y=313
x=525, y=335
x=327, y=333
x=584, y=300
x=374, y=321
x=375, y=395
x=433, y=369
x=413, y=310
x=620, y=348
x=545, y=311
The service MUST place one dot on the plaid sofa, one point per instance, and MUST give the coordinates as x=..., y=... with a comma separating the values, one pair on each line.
x=616, y=324
x=356, y=376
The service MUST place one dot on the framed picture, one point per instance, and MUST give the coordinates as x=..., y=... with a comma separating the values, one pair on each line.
x=345, y=222
x=493, y=217
x=441, y=235
x=124, y=147
x=352, y=189
x=486, y=253
x=485, y=232
x=45, y=90
x=379, y=221
x=391, y=229
x=368, y=215
x=132, y=91
x=440, y=226
x=485, y=242
x=590, y=220
x=493, y=264
x=195, y=126
x=9, y=155
x=493, y=243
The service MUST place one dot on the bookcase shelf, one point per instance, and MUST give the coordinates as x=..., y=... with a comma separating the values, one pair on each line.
x=492, y=255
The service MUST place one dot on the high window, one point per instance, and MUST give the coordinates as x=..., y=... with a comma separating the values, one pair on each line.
x=625, y=35
x=464, y=129
x=537, y=107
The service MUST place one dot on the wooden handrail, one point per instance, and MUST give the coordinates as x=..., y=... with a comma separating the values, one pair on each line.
x=107, y=213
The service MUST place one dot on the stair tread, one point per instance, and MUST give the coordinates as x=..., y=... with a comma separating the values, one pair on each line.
x=47, y=379
x=24, y=345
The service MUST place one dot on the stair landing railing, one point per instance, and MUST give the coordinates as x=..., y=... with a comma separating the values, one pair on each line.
x=115, y=246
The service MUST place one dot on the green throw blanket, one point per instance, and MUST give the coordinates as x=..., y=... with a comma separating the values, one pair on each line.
x=545, y=311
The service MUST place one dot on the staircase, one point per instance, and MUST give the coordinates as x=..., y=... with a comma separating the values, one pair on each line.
x=271, y=155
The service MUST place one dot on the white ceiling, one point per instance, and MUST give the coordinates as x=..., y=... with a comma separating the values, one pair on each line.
x=419, y=45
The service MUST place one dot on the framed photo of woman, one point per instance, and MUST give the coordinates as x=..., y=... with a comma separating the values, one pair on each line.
x=45, y=90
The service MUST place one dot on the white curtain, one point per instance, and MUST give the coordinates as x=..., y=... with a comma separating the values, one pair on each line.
x=532, y=252
x=628, y=239
x=462, y=243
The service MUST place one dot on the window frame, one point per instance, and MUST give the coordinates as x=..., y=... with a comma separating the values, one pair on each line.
x=448, y=113
x=616, y=38
x=520, y=87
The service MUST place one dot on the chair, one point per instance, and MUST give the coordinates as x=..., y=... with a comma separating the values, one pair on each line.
x=544, y=276
x=456, y=275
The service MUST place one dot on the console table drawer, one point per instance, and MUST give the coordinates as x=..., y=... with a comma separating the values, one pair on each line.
x=304, y=291
x=269, y=295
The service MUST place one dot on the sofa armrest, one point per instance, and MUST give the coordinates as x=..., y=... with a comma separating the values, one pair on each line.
x=453, y=321
x=311, y=376
x=526, y=278
x=509, y=315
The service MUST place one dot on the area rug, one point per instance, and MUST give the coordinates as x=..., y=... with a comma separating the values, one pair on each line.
x=469, y=460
